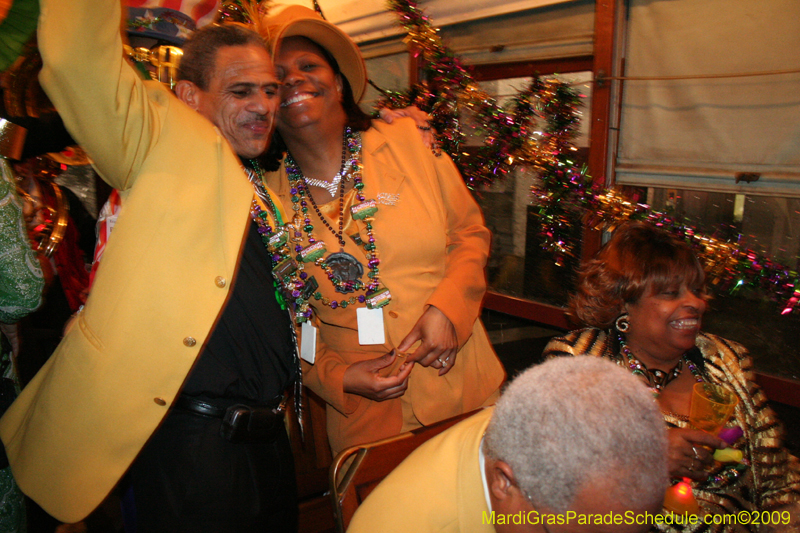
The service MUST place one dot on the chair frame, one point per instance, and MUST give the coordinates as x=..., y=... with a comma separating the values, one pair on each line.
x=357, y=470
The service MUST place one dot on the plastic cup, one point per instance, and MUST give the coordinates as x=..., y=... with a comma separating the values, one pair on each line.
x=712, y=406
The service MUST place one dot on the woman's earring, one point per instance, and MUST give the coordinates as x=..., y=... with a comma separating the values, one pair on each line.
x=622, y=323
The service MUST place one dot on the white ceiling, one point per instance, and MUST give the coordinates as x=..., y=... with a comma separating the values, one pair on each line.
x=370, y=20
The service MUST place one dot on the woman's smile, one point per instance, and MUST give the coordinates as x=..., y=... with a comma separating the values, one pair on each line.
x=310, y=89
x=664, y=324
x=686, y=323
x=298, y=98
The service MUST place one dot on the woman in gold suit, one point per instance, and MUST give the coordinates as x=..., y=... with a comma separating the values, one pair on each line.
x=384, y=259
x=642, y=299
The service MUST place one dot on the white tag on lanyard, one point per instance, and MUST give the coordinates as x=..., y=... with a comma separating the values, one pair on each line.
x=370, y=326
x=308, y=342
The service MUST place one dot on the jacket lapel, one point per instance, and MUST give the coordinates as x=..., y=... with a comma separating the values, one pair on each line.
x=381, y=176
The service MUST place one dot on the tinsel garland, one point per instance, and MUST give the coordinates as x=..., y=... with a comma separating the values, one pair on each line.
x=537, y=131
x=511, y=138
x=564, y=197
x=244, y=12
x=730, y=267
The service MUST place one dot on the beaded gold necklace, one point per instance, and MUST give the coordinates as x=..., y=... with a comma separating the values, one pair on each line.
x=295, y=285
x=290, y=256
x=261, y=218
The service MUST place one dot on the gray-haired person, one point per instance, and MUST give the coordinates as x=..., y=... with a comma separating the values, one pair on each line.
x=572, y=445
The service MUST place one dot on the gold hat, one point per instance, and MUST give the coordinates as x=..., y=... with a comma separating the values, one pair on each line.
x=299, y=21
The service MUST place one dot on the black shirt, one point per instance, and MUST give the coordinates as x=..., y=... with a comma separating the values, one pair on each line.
x=250, y=353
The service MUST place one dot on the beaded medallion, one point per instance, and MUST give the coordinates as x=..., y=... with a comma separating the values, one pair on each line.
x=294, y=245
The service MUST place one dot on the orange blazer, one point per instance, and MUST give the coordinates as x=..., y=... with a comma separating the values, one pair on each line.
x=433, y=247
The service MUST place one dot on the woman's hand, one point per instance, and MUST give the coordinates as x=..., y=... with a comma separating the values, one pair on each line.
x=439, y=342
x=689, y=453
x=363, y=378
x=421, y=118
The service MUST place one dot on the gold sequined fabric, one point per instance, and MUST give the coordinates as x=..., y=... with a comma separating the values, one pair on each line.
x=771, y=478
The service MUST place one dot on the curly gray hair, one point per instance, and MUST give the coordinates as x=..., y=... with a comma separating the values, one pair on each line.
x=575, y=420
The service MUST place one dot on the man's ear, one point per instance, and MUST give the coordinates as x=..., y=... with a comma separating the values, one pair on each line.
x=188, y=93
x=501, y=481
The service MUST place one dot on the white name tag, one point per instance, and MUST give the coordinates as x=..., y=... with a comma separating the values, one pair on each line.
x=308, y=342
x=370, y=326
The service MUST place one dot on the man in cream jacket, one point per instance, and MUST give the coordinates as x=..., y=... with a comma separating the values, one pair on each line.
x=574, y=444
x=185, y=289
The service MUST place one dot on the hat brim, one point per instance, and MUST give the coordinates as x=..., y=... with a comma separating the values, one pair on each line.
x=335, y=42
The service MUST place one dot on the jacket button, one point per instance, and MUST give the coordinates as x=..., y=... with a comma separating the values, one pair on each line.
x=220, y=281
x=189, y=341
x=160, y=401
x=392, y=314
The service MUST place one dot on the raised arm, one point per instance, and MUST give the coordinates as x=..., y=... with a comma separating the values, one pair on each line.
x=104, y=105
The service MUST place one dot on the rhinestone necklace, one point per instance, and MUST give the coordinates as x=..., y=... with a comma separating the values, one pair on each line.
x=332, y=185
x=338, y=234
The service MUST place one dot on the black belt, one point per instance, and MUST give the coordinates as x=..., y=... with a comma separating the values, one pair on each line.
x=239, y=421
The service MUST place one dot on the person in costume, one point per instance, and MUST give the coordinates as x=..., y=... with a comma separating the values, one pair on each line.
x=22, y=282
x=182, y=344
x=384, y=259
x=642, y=298
x=559, y=448
x=20, y=270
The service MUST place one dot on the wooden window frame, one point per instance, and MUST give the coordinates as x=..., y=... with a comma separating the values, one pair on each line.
x=607, y=13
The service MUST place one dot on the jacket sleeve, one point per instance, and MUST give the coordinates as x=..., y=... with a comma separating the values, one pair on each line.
x=460, y=293
x=326, y=379
x=775, y=470
x=103, y=102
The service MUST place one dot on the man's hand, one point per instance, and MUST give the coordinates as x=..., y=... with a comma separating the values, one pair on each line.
x=363, y=378
x=422, y=119
x=439, y=342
